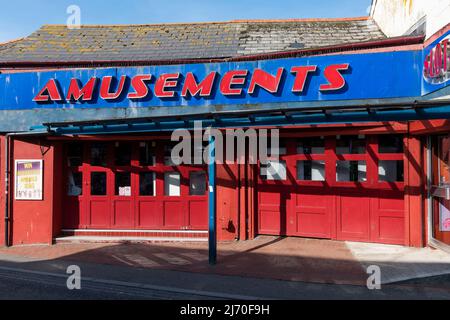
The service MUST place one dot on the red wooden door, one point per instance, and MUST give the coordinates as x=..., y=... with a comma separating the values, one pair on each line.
x=99, y=182
x=345, y=188
x=130, y=185
x=311, y=209
x=296, y=200
x=272, y=208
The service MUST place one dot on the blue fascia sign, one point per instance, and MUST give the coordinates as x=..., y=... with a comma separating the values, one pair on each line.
x=336, y=77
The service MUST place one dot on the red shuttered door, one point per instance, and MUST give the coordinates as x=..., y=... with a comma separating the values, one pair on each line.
x=132, y=185
x=344, y=187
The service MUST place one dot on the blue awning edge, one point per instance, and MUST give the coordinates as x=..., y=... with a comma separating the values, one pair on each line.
x=277, y=118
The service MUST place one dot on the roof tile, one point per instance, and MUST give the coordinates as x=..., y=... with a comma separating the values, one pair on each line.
x=180, y=41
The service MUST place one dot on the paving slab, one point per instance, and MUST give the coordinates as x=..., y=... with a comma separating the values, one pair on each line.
x=292, y=259
x=398, y=263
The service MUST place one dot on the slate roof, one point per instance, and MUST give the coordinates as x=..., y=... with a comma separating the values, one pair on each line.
x=161, y=42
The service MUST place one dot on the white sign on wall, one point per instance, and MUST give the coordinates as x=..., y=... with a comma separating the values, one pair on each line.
x=28, y=180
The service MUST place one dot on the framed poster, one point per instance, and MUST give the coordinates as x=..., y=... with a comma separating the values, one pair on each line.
x=444, y=215
x=28, y=179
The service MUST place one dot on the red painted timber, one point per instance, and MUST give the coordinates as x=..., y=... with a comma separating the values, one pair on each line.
x=414, y=193
x=32, y=221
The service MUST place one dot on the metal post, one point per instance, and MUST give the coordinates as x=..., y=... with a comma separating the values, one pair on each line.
x=212, y=202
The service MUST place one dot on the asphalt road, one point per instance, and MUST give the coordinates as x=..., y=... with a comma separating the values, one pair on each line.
x=18, y=285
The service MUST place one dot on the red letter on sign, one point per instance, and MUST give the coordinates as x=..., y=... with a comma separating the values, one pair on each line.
x=265, y=80
x=52, y=93
x=335, y=79
x=204, y=87
x=139, y=86
x=169, y=80
x=86, y=94
x=301, y=75
x=106, y=87
x=231, y=78
x=444, y=53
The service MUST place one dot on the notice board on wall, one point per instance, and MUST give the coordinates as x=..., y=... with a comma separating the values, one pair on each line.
x=28, y=180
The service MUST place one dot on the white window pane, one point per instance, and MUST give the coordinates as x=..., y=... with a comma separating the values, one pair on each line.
x=362, y=171
x=390, y=171
x=342, y=170
x=274, y=170
x=318, y=171
x=311, y=170
x=123, y=184
x=172, y=184
x=351, y=171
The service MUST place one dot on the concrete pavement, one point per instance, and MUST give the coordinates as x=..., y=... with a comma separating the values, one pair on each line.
x=317, y=268
x=292, y=259
x=400, y=263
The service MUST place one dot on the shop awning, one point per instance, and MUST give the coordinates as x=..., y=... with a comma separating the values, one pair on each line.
x=256, y=118
x=250, y=118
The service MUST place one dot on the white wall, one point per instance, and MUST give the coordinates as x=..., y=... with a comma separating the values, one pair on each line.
x=396, y=17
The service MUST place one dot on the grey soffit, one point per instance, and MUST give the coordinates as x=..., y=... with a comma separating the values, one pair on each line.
x=168, y=42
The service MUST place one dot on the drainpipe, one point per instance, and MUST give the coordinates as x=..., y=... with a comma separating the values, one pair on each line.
x=429, y=185
x=6, y=191
x=8, y=175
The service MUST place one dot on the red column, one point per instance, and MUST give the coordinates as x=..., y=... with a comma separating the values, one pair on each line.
x=58, y=189
x=414, y=211
x=243, y=212
x=32, y=221
x=251, y=178
x=2, y=190
x=227, y=201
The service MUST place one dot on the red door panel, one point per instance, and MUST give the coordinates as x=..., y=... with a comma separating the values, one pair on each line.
x=99, y=214
x=150, y=215
x=353, y=218
x=72, y=216
x=123, y=214
x=312, y=215
x=173, y=215
x=272, y=211
x=388, y=218
x=198, y=215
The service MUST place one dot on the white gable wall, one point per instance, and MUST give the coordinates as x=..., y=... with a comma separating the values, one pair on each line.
x=396, y=17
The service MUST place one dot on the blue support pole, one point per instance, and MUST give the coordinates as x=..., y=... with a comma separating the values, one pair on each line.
x=212, y=202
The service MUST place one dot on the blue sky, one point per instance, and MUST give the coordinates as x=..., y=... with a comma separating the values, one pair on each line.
x=19, y=18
